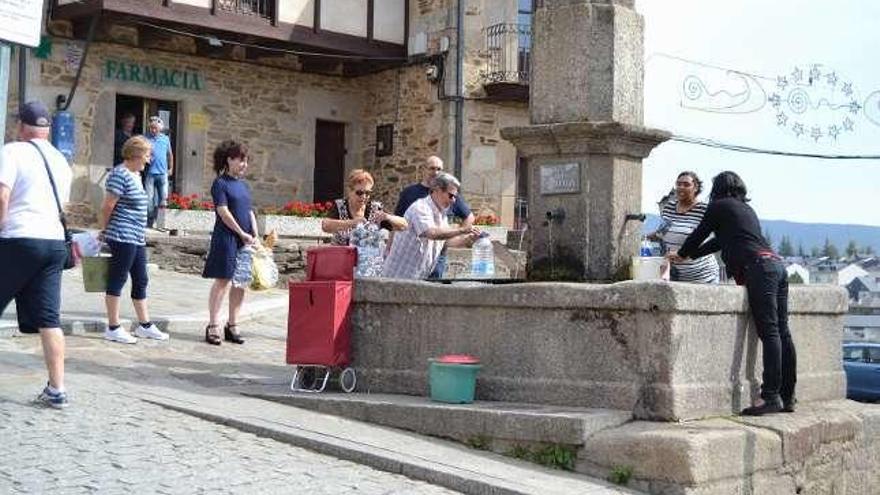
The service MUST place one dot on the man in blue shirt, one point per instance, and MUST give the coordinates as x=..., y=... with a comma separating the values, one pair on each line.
x=459, y=209
x=160, y=169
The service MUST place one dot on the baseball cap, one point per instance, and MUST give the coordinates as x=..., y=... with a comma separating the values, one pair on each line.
x=34, y=113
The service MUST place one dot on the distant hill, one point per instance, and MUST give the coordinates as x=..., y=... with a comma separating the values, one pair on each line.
x=809, y=234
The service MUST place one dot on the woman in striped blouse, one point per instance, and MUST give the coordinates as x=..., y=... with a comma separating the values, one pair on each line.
x=124, y=216
x=681, y=214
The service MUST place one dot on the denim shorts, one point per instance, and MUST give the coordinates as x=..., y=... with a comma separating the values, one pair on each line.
x=33, y=281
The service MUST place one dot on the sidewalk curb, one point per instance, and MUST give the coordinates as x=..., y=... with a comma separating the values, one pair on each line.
x=522, y=479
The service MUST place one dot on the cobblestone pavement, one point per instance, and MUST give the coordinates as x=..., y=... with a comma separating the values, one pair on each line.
x=110, y=442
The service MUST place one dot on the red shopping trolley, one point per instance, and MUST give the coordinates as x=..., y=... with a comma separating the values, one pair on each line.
x=319, y=321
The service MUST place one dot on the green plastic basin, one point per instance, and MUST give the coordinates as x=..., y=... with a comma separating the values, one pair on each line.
x=452, y=382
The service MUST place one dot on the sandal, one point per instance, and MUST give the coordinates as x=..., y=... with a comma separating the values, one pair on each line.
x=230, y=336
x=210, y=336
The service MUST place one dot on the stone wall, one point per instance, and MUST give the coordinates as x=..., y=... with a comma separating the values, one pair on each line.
x=187, y=254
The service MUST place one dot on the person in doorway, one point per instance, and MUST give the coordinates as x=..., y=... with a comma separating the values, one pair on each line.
x=751, y=261
x=124, y=222
x=681, y=214
x=123, y=133
x=235, y=227
x=32, y=235
x=357, y=208
x=415, y=250
x=432, y=167
x=160, y=169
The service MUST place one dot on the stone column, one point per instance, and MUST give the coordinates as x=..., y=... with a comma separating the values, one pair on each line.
x=586, y=142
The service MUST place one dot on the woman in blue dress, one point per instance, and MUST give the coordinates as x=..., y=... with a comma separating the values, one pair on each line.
x=235, y=226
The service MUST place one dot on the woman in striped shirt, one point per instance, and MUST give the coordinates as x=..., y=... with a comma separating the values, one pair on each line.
x=124, y=216
x=681, y=214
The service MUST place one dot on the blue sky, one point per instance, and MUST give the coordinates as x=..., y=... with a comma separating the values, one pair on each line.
x=772, y=48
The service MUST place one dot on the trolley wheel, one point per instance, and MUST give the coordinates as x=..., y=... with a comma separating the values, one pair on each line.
x=348, y=380
x=308, y=378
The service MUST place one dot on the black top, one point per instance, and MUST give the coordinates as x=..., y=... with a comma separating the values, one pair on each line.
x=118, y=142
x=410, y=194
x=737, y=234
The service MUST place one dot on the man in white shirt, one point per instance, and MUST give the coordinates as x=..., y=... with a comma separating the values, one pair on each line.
x=415, y=250
x=31, y=234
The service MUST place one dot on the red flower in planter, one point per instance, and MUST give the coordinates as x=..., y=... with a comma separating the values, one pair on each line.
x=191, y=202
x=487, y=220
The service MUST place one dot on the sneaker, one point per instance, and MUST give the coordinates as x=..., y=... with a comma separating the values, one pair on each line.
x=120, y=335
x=57, y=400
x=150, y=332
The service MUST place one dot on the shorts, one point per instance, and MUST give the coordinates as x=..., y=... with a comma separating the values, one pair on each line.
x=33, y=281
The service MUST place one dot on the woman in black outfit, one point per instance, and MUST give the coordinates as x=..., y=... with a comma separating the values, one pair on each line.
x=752, y=262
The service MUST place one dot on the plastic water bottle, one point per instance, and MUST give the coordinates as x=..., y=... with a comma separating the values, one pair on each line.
x=483, y=258
x=645, y=249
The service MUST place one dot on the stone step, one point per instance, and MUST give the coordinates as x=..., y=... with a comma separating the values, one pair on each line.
x=498, y=426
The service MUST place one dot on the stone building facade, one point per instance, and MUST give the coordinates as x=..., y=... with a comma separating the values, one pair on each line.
x=274, y=105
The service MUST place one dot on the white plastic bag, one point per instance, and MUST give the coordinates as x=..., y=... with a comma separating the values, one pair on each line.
x=87, y=243
x=243, y=275
x=370, y=243
x=264, y=269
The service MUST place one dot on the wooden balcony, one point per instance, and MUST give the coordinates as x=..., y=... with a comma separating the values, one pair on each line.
x=255, y=30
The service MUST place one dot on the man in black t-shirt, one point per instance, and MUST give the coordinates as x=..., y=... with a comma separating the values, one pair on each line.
x=431, y=168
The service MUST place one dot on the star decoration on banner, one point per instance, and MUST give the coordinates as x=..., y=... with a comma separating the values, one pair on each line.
x=848, y=124
x=797, y=75
x=832, y=79
x=815, y=74
x=816, y=134
x=781, y=119
x=798, y=129
x=854, y=107
x=775, y=100
x=833, y=131
x=781, y=82
x=847, y=89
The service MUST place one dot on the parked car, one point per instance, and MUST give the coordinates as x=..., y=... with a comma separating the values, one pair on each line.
x=861, y=361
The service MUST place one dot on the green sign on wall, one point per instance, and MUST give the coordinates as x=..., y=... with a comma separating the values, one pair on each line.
x=152, y=75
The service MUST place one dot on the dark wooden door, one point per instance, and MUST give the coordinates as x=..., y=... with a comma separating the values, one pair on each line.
x=329, y=161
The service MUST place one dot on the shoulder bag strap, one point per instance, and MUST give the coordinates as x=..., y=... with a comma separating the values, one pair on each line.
x=54, y=189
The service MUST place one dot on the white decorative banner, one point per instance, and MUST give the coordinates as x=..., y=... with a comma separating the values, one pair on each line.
x=20, y=21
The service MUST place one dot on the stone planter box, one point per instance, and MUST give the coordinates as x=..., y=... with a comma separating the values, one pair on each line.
x=186, y=220
x=289, y=226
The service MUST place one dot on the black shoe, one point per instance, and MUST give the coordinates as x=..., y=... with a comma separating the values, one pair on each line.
x=789, y=405
x=767, y=407
x=230, y=336
x=211, y=337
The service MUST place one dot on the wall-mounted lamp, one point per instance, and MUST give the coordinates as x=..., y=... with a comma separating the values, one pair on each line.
x=214, y=41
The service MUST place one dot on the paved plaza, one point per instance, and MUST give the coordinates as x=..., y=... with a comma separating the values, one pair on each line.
x=110, y=441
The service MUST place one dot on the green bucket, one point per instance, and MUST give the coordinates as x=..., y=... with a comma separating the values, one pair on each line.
x=452, y=382
x=96, y=271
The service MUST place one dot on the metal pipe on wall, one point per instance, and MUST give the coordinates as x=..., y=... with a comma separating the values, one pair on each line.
x=22, y=75
x=459, y=90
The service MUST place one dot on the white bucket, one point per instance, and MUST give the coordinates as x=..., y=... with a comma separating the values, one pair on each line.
x=650, y=268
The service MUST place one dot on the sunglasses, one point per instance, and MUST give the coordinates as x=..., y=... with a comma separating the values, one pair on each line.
x=435, y=169
x=452, y=196
x=362, y=192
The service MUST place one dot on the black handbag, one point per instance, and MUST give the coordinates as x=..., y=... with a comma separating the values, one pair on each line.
x=70, y=261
